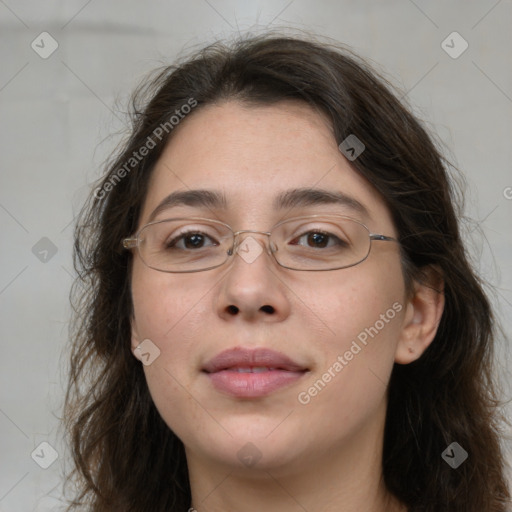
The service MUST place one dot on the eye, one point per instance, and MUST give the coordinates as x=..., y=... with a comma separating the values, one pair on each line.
x=320, y=239
x=190, y=240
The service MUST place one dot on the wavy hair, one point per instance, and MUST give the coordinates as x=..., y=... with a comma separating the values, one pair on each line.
x=121, y=447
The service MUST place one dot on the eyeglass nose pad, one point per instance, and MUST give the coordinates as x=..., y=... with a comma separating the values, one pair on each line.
x=234, y=248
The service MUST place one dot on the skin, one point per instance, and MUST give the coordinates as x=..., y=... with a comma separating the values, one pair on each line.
x=321, y=456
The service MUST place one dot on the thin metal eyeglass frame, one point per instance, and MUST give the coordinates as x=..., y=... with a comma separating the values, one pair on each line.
x=133, y=241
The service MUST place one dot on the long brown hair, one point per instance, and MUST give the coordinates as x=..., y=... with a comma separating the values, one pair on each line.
x=126, y=457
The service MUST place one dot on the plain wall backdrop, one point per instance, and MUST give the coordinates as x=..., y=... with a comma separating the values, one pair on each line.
x=67, y=69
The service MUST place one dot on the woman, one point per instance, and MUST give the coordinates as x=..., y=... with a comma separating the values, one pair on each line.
x=278, y=310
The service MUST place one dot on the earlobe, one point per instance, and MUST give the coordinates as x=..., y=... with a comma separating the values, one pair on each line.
x=422, y=317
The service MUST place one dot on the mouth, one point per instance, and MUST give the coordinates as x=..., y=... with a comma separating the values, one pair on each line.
x=251, y=373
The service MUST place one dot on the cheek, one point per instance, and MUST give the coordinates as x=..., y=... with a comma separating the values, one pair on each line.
x=362, y=310
x=359, y=300
x=170, y=311
x=174, y=399
x=167, y=307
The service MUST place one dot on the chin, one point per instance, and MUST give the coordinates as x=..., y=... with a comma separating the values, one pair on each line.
x=243, y=442
x=253, y=456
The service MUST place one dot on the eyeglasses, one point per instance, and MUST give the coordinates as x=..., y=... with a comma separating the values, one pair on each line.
x=314, y=242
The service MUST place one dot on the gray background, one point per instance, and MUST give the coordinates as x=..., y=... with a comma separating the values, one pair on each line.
x=60, y=117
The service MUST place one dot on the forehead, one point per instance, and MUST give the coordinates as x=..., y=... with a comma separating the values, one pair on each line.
x=252, y=155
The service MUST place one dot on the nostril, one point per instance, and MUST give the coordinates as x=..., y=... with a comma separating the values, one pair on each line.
x=232, y=309
x=268, y=309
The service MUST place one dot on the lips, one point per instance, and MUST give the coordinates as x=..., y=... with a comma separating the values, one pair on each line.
x=252, y=373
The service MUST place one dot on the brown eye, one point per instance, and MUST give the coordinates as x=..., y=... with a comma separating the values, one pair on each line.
x=190, y=240
x=319, y=240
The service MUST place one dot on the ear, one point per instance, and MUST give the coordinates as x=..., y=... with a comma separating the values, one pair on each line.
x=422, y=317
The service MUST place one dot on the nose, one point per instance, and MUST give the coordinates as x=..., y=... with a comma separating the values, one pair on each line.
x=251, y=287
x=248, y=248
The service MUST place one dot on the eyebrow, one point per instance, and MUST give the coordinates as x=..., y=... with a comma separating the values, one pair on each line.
x=301, y=197
x=294, y=198
x=206, y=198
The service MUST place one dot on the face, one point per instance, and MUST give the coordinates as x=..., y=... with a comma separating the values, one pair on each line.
x=332, y=336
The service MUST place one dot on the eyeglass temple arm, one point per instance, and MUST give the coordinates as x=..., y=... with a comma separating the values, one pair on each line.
x=129, y=243
x=382, y=238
